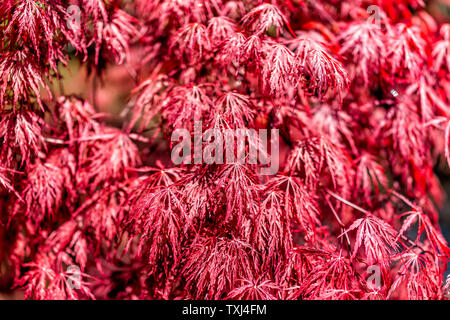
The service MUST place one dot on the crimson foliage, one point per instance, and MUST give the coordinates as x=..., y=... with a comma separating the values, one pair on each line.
x=362, y=103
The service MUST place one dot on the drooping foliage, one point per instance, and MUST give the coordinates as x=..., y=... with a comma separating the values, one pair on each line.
x=362, y=105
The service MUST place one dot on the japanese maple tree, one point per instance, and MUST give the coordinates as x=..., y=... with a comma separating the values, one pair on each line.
x=92, y=208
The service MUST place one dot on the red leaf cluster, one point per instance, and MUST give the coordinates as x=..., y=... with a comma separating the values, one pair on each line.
x=91, y=206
